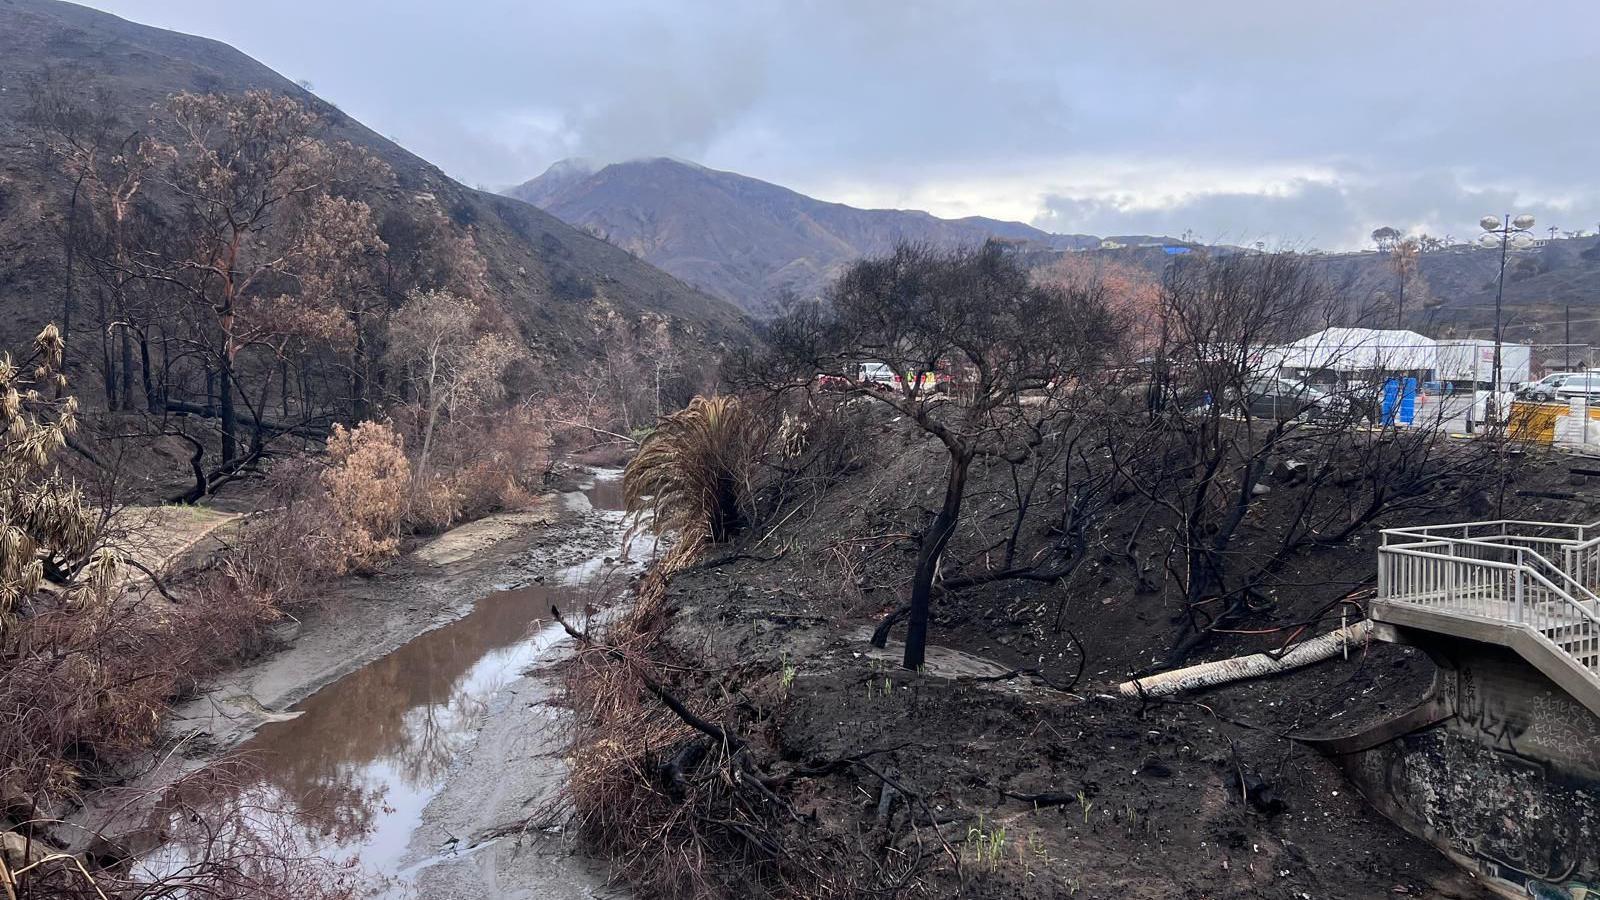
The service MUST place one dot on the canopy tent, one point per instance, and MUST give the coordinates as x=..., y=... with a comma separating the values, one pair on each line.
x=1361, y=350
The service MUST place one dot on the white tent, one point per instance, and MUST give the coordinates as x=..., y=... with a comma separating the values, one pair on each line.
x=1361, y=350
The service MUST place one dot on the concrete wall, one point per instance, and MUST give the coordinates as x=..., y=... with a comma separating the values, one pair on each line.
x=1504, y=703
x=1509, y=785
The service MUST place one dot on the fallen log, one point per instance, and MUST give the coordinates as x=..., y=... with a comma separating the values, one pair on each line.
x=1240, y=668
x=317, y=426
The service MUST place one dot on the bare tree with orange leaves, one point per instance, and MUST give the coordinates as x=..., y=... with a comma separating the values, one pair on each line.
x=1132, y=293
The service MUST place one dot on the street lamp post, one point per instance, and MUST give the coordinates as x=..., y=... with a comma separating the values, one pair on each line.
x=1505, y=231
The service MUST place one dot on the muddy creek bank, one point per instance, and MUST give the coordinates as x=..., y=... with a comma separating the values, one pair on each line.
x=355, y=768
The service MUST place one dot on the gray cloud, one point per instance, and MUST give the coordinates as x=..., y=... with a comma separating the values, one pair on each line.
x=1111, y=117
x=1309, y=214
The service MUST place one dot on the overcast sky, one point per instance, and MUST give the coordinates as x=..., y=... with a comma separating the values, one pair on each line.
x=1305, y=122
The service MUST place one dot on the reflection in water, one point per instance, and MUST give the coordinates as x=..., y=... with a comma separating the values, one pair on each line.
x=369, y=751
x=606, y=493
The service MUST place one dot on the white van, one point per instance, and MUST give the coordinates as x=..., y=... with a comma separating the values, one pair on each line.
x=876, y=373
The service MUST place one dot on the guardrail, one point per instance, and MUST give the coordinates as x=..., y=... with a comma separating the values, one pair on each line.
x=1502, y=577
x=1576, y=546
x=1565, y=532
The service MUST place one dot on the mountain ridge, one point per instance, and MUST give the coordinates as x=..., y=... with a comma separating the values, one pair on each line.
x=547, y=273
x=746, y=240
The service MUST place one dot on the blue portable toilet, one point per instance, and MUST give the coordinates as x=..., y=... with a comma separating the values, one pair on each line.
x=1408, y=401
x=1391, y=401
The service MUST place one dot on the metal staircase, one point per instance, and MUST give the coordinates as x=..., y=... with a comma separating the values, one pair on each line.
x=1526, y=585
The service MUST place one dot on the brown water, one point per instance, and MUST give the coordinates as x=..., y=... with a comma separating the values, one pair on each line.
x=351, y=774
x=606, y=492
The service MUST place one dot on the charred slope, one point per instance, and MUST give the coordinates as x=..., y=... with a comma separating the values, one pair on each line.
x=742, y=238
x=1044, y=786
x=548, y=274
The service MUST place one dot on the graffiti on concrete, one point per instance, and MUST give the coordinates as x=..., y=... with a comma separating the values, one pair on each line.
x=1510, y=782
x=1517, y=715
x=1558, y=724
x=1488, y=715
x=1540, y=889
x=1503, y=811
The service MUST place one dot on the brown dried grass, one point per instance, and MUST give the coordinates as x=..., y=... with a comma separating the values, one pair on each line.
x=681, y=815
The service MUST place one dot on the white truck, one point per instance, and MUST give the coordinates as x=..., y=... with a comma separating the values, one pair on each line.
x=1468, y=364
x=1464, y=361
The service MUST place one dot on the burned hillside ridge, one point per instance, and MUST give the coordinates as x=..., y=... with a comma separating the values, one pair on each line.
x=550, y=276
x=1203, y=796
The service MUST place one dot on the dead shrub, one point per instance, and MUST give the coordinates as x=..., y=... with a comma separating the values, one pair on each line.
x=681, y=814
x=434, y=506
x=482, y=463
x=367, y=480
x=497, y=462
x=693, y=474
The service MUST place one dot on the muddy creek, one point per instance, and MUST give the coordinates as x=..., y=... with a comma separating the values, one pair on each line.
x=352, y=773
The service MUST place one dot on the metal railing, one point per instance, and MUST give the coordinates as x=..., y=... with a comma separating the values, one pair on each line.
x=1582, y=560
x=1576, y=546
x=1496, y=571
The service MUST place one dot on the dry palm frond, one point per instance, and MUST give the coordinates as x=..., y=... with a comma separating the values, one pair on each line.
x=41, y=514
x=691, y=476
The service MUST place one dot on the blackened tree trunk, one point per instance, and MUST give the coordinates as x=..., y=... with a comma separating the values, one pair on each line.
x=164, y=384
x=934, y=540
x=727, y=518
x=69, y=304
x=230, y=419
x=258, y=431
x=108, y=362
x=152, y=398
x=127, y=366
x=358, y=375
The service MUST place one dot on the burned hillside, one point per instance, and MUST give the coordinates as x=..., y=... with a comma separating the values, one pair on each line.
x=1047, y=782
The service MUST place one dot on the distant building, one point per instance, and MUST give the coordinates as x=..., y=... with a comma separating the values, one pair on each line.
x=1342, y=355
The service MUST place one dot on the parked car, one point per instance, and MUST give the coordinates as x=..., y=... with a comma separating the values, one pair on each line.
x=1545, y=389
x=877, y=373
x=881, y=375
x=1580, y=385
x=1282, y=400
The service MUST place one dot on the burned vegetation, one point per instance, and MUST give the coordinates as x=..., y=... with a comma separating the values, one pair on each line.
x=1045, y=498
x=275, y=365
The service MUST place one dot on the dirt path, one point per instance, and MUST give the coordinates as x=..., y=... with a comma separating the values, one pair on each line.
x=156, y=537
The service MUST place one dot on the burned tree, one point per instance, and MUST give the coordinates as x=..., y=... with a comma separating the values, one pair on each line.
x=254, y=181
x=1233, y=418
x=108, y=164
x=985, y=360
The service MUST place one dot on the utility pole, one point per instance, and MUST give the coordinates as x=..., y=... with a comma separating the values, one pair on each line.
x=1567, y=341
x=1499, y=301
x=1472, y=398
x=1501, y=230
